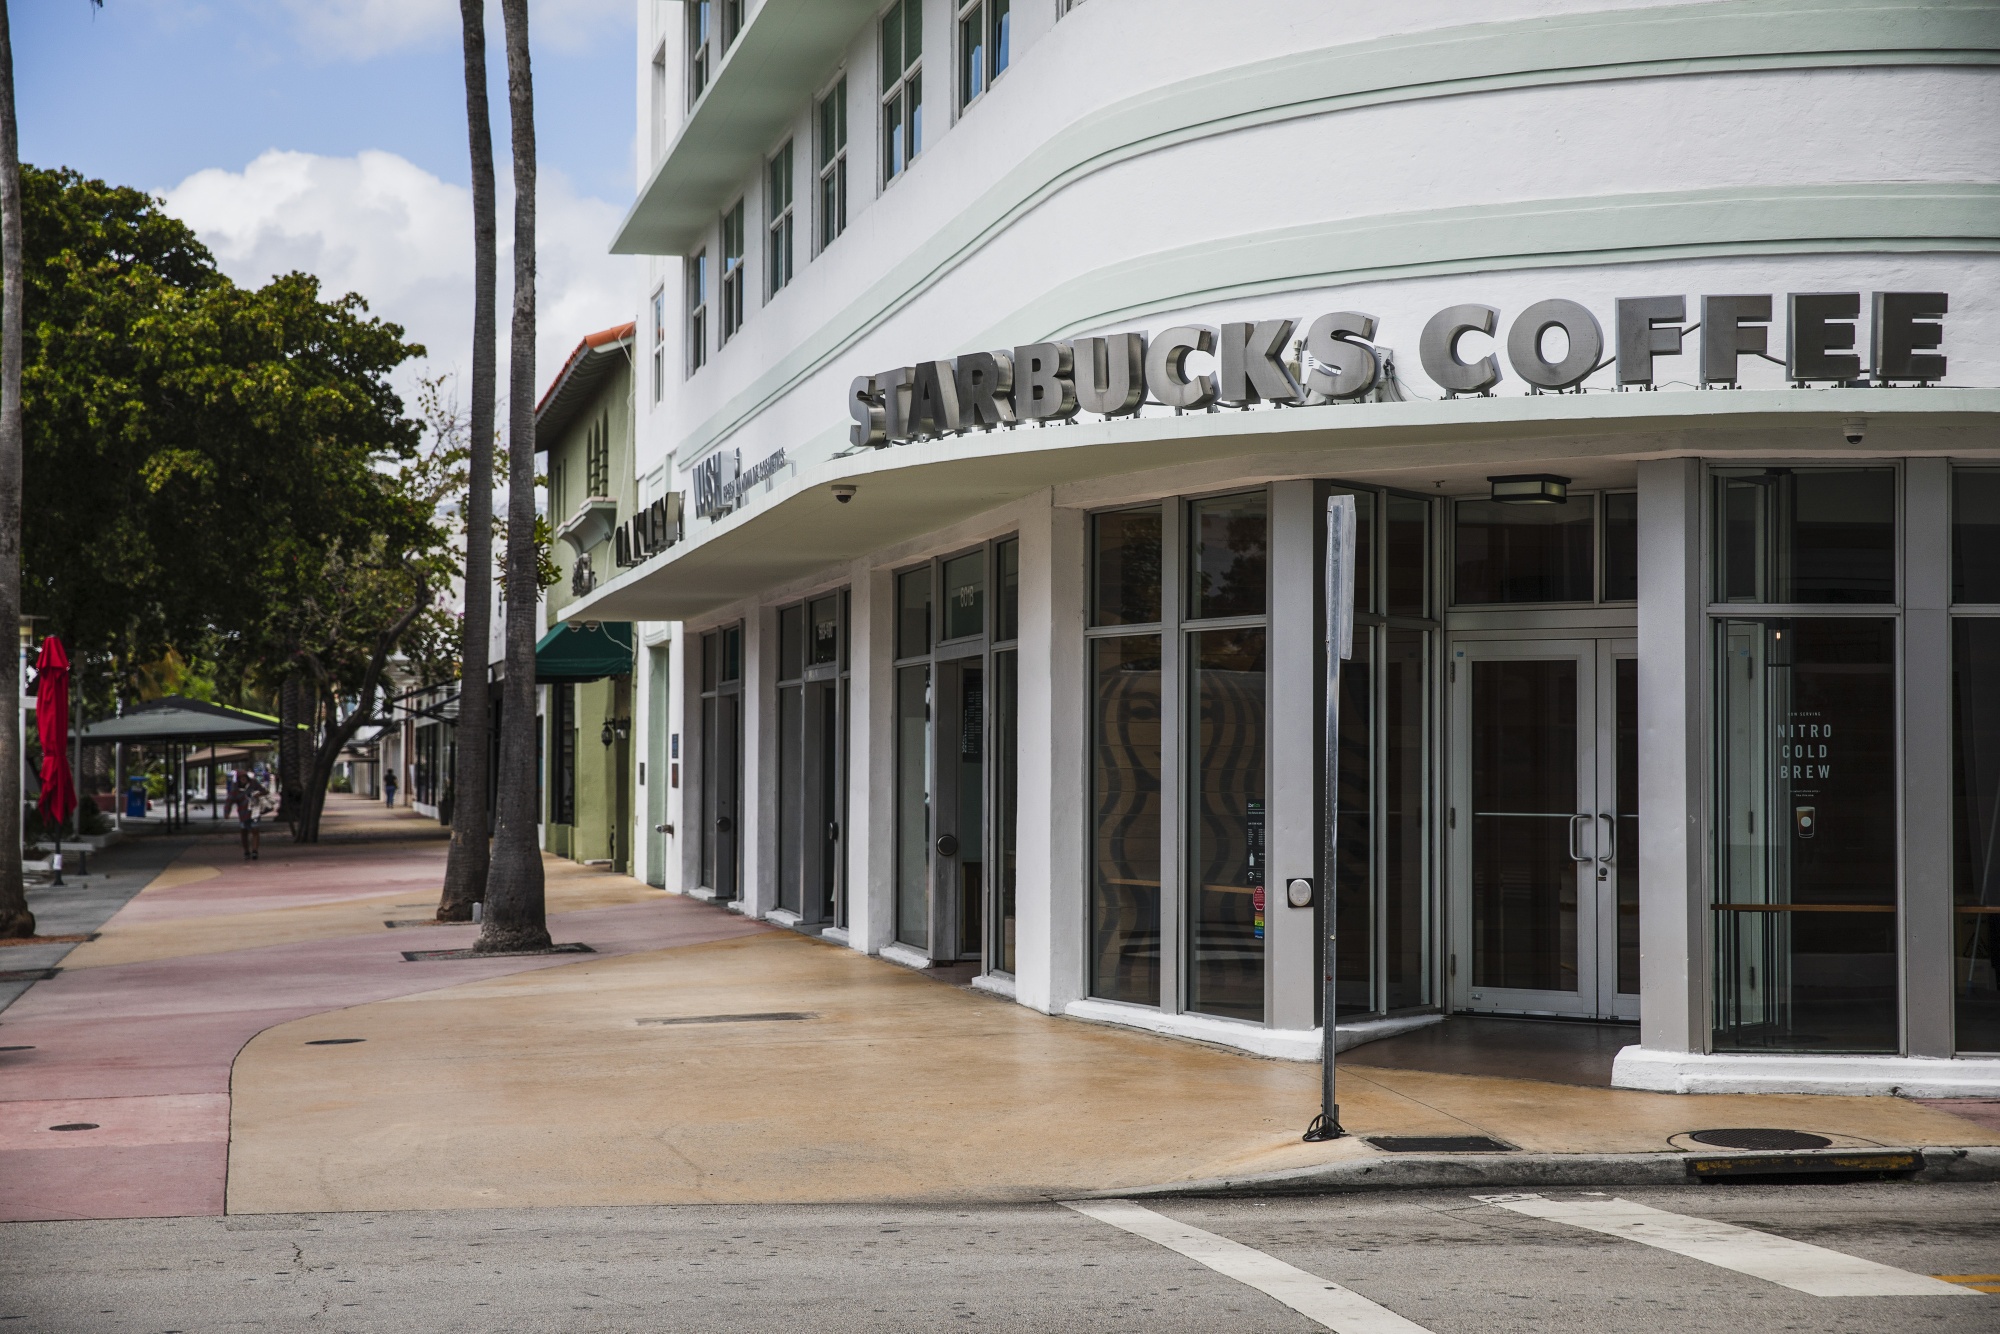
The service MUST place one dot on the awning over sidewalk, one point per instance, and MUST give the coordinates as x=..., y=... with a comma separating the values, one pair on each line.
x=175, y=718
x=584, y=651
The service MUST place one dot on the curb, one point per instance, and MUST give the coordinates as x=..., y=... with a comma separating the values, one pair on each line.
x=1450, y=1171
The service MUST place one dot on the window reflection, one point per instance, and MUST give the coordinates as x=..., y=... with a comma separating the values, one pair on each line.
x=1822, y=535
x=1125, y=580
x=1975, y=535
x=1228, y=826
x=1125, y=820
x=1805, y=913
x=1228, y=561
x=1522, y=553
x=1976, y=831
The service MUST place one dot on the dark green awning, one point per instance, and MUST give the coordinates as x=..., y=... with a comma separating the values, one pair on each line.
x=584, y=651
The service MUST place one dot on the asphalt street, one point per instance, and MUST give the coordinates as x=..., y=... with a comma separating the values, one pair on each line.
x=1445, y=1262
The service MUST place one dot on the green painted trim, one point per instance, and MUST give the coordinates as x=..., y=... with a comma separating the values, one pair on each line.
x=1736, y=36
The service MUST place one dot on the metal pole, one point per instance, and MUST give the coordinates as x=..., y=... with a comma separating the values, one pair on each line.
x=1340, y=530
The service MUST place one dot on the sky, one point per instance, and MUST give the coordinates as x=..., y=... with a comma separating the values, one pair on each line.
x=329, y=136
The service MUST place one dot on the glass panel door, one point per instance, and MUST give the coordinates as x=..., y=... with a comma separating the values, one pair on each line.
x=1524, y=827
x=723, y=744
x=1617, y=823
x=959, y=885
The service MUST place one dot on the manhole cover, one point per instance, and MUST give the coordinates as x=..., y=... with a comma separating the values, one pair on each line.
x=1760, y=1139
x=333, y=1042
x=768, y=1017
x=75, y=1125
x=1439, y=1144
x=425, y=956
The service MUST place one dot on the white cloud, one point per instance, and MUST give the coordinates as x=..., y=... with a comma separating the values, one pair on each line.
x=379, y=225
x=360, y=29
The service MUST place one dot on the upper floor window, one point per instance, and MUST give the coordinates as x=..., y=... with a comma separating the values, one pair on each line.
x=597, y=458
x=659, y=344
x=697, y=48
x=902, y=87
x=778, y=222
x=697, y=311
x=732, y=22
x=985, y=41
x=732, y=271
x=833, y=163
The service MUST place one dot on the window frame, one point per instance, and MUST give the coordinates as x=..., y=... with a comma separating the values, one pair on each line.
x=780, y=241
x=830, y=166
x=697, y=65
x=731, y=285
x=660, y=343
x=896, y=94
x=695, y=309
x=995, y=55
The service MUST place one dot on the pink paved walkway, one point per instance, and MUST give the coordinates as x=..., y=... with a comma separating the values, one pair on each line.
x=144, y=1050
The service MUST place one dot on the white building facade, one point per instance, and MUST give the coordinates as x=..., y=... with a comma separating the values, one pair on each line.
x=1006, y=357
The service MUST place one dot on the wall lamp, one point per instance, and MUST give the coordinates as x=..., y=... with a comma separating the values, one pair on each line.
x=615, y=729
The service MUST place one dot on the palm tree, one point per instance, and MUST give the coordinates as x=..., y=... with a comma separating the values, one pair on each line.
x=516, y=912
x=15, y=919
x=466, y=865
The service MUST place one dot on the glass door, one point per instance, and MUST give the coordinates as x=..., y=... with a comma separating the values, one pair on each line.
x=958, y=887
x=1544, y=827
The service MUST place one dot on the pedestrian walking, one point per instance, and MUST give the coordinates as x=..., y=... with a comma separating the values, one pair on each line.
x=246, y=800
x=389, y=786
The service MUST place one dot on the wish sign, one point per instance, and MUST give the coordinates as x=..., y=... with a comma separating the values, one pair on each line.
x=1196, y=367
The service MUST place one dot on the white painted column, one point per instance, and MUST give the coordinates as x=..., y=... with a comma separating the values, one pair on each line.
x=1673, y=748
x=1926, y=898
x=757, y=843
x=1051, y=922
x=871, y=766
x=1291, y=945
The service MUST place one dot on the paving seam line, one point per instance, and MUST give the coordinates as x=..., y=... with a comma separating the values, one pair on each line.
x=1797, y=1265
x=1329, y=1304
x=1500, y=1171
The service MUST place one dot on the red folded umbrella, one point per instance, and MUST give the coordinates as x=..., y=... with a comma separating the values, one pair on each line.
x=52, y=722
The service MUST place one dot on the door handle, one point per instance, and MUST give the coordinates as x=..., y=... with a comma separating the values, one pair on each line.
x=1575, y=854
x=1610, y=837
x=832, y=832
x=947, y=845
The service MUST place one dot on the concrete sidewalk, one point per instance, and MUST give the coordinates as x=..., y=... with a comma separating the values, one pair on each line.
x=249, y=1036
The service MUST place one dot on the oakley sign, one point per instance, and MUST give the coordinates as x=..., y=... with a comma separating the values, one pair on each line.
x=1340, y=361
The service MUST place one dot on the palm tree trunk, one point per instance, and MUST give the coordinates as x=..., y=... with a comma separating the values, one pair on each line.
x=516, y=913
x=15, y=919
x=466, y=864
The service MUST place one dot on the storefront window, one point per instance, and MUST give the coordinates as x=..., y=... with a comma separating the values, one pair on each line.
x=1524, y=785
x=1354, y=850
x=965, y=595
x=1805, y=908
x=1228, y=824
x=1976, y=830
x=1806, y=535
x=1406, y=749
x=1227, y=573
x=1406, y=556
x=1621, y=546
x=721, y=757
x=812, y=759
x=1975, y=535
x=1522, y=553
x=1125, y=579
x=1006, y=800
x=1007, y=619
x=1126, y=754
x=913, y=613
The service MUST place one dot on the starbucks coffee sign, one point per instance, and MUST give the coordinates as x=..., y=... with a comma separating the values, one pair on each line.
x=1195, y=366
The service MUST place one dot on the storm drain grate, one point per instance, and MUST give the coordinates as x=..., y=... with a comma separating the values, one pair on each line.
x=1439, y=1144
x=766, y=1017
x=1769, y=1140
x=426, y=956
x=27, y=974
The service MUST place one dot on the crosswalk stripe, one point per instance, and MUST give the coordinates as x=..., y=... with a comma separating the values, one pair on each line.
x=1792, y=1264
x=1329, y=1304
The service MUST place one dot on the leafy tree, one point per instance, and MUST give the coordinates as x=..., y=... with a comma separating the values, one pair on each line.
x=516, y=915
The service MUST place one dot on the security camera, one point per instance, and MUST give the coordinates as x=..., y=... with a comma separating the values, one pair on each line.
x=1855, y=429
x=843, y=494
